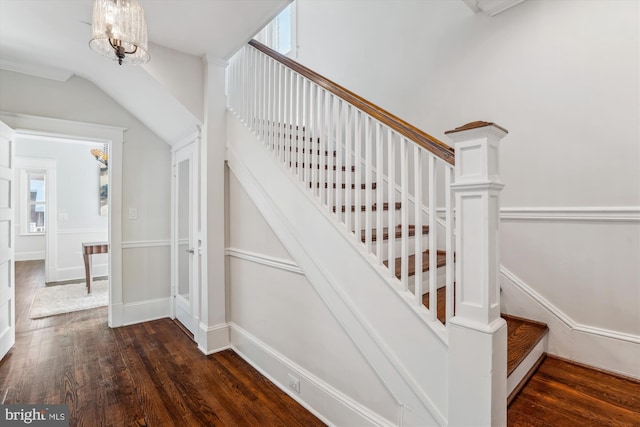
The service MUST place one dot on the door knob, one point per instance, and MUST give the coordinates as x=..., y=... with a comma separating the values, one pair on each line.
x=191, y=251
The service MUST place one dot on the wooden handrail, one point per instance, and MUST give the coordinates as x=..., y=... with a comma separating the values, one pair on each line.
x=410, y=132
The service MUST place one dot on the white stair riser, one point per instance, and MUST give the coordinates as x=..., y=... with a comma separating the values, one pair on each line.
x=352, y=194
x=440, y=280
x=527, y=364
x=385, y=217
x=397, y=243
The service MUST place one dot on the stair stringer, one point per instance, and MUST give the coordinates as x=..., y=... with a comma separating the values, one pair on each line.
x=409, y=356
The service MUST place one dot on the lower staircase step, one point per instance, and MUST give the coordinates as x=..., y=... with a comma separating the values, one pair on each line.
x=523, y=335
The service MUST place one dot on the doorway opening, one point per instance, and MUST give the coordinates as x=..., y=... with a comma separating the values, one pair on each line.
x=63, y=204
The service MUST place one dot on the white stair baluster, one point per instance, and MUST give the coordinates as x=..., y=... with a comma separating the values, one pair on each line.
x=433, y=233
x=348, y=176
x=417, y=188
x=357, y=160
x=368, y=222
x=322, y=146
x=404, y=214
x=331, y=167
x=450, y=297
x=391, y=167
x=379, y=199
x=339, y=160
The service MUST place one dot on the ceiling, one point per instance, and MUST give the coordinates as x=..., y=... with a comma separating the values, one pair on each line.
x=49, y=38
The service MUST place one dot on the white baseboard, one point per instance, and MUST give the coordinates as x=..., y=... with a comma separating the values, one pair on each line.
x=29, y=256
x=325, y=402
x=143, y=311
x=212, y=339
x=78, y=273
x=605, y=349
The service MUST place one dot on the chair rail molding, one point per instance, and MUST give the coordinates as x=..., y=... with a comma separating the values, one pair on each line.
x=269, y=261
x=573, y=213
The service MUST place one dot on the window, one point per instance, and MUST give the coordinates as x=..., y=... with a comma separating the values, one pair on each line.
x=279, y=34
x=36, y=200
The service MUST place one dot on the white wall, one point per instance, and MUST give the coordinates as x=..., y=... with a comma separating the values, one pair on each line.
x=281, y=309
x=146, y=174
x=181, y=74
x=568, y=92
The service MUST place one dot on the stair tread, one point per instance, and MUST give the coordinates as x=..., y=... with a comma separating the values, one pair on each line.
x=309, y=165
x=374, y=207
x=304, y=150
x=398, y=232
x=441, y=261
x=353, y=186
x=522, y=334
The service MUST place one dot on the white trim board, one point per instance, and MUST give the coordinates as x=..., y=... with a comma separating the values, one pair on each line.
x=144, y=311
x=114, y=136
x=269, y=261
x=560, y=315
x=574, y=213
x=568, y=213
x=29, y=255
x=212, y=339
x=132, y=244
x=314, y=392
x=609, y=350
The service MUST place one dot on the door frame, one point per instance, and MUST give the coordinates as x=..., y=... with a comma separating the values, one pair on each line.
x=8, y=334
x=114, y=137
x=187, y=150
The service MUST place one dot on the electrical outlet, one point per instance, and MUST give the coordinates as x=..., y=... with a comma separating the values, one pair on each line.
x=294, y=383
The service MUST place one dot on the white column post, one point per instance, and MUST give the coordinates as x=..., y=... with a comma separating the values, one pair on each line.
x=477, y=333
x=213, y=333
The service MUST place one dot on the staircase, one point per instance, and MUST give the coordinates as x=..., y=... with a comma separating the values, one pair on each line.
x=526, y=344
x=425, y=226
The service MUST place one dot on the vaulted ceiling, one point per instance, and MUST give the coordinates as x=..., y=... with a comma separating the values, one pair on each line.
x=49, y=38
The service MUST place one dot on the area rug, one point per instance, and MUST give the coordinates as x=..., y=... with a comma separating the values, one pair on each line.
x=59, y=299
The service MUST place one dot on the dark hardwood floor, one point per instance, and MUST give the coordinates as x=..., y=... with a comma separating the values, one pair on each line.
x=562, y=393
x=149, y=374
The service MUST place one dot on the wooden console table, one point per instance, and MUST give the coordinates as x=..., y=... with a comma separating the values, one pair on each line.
x=91, y=248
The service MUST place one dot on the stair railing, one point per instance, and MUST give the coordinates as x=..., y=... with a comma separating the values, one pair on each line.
x=375, y=174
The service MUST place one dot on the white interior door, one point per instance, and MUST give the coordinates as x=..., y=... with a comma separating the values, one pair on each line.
x=7, y=239
x=186, y=255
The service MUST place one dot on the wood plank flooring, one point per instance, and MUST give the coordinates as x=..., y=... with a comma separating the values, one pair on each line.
x=562, y=393
x=149, y=374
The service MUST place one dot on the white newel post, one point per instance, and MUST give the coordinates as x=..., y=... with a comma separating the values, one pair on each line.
x=477, y=333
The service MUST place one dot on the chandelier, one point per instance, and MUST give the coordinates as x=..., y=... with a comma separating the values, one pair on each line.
x=120, y=31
